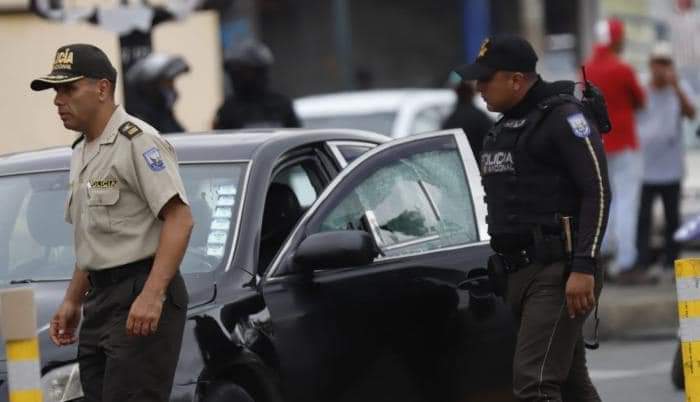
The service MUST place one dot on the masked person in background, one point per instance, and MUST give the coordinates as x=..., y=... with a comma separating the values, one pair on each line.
x=252, y=104
x=151, y=90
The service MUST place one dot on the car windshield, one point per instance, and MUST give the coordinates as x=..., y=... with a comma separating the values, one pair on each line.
x=382, y=123
x=37, y=244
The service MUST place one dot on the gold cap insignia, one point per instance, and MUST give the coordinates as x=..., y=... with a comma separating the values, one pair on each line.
x=484, y=48
x=64, y=59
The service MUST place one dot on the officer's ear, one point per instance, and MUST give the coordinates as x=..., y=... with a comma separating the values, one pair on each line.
x=105, y=90
x=518, y=80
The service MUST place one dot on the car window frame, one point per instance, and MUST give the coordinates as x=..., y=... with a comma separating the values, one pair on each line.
x=334, y=149
x=473, y=182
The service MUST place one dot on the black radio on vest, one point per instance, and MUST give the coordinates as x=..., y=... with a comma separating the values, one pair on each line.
x=594, y=101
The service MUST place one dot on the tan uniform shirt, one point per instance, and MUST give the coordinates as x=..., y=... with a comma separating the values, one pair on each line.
x=118, y=185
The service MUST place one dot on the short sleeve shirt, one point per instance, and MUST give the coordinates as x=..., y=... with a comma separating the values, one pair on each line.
x=118, y=185
x=661, y=135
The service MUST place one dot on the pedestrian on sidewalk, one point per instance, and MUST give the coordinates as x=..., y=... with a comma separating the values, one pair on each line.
x=623, y=94
x=661, y=139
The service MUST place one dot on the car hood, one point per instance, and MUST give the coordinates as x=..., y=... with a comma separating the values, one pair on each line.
x=49, y=295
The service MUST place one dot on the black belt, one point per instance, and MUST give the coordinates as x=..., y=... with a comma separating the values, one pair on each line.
x=548, y=250
x=111, y=276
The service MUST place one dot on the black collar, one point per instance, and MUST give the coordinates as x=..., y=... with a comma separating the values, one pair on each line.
x=540, y=91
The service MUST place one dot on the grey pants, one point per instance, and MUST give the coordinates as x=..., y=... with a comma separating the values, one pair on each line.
x=550, y=360
x=115, y=367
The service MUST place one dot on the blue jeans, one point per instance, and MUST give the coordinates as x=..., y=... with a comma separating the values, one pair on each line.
x=625, y=173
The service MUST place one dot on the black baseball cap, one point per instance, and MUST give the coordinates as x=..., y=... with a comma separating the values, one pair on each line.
x=500, y=53
x=75, y=62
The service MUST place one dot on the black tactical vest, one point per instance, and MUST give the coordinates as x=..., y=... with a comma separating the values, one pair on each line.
x=523, y=192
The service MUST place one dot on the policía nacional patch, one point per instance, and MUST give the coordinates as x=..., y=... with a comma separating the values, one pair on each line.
x=579, y=125
x=154, y=160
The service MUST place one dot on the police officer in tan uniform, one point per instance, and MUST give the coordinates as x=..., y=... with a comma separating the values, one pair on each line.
x=132, y=223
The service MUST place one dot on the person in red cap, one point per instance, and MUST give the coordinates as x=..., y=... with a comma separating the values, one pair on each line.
x=624, y=95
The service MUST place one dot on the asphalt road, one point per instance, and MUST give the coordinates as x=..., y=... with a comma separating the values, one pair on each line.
x=634, y=371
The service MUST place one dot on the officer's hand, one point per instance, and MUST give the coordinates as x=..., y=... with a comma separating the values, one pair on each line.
x=580, y=298
x=144, y=314
x=64, y=324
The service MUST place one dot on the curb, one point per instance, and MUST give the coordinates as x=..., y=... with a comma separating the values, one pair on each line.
x=636, y=311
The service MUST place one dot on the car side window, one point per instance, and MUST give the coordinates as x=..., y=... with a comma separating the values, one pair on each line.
x=292, y=191
x=420, y=202
x=299, y=179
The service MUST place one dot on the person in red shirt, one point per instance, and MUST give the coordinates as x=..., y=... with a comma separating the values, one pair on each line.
x=623, y=94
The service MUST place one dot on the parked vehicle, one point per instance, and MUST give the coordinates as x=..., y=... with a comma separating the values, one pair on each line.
x=396, y=112
x=325, y=265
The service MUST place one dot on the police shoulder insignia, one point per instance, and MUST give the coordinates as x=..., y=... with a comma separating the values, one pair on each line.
x=579, y=125
x=154, y=160
x=129, y=130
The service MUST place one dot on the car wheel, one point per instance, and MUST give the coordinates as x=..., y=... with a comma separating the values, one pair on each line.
x=227, y=392
x=677, y=369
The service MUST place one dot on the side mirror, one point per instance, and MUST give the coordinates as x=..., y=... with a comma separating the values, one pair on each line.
x=338, y=249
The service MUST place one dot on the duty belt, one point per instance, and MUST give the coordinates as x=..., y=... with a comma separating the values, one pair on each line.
x=111, y=276
x=545, y=251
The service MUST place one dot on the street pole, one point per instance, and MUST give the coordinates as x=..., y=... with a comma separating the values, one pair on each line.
x=343, y=42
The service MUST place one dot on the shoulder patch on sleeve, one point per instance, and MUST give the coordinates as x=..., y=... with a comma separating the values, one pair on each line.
x=579, y=125
x=129, y=130
x=154, y=160
x=77, y=141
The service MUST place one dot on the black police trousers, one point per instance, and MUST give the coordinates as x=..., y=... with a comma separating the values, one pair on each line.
x=115, y=367
x=550, y=360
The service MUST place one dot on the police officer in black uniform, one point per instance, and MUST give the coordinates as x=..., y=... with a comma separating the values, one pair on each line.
x=252, y=104
x=545, y=177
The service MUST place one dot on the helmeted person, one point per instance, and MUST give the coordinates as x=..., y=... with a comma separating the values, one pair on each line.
x=152, y=93
x=252, y=104
x=545, y=177
x=131, y=225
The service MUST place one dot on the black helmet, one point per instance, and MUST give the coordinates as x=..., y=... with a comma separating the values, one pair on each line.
x=249, y=52
x=156, y=67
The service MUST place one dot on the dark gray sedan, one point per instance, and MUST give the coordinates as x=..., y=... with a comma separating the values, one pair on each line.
x=324, y=266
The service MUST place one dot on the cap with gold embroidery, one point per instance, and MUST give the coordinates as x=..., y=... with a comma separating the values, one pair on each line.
x=74, y=62
x=500, y=53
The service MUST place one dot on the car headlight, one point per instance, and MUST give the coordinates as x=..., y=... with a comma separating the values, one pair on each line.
x=62, y=384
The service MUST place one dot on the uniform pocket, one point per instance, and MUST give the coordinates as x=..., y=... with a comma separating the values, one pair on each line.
x=100, y=203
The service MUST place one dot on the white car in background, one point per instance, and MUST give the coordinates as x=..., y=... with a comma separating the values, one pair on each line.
x=396, y=112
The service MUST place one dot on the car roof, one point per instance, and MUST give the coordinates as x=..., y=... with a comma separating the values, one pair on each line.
x=240, y=145
x=370, y=101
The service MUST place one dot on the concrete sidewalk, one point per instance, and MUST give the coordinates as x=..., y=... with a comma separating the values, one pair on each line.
x=637, y=311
